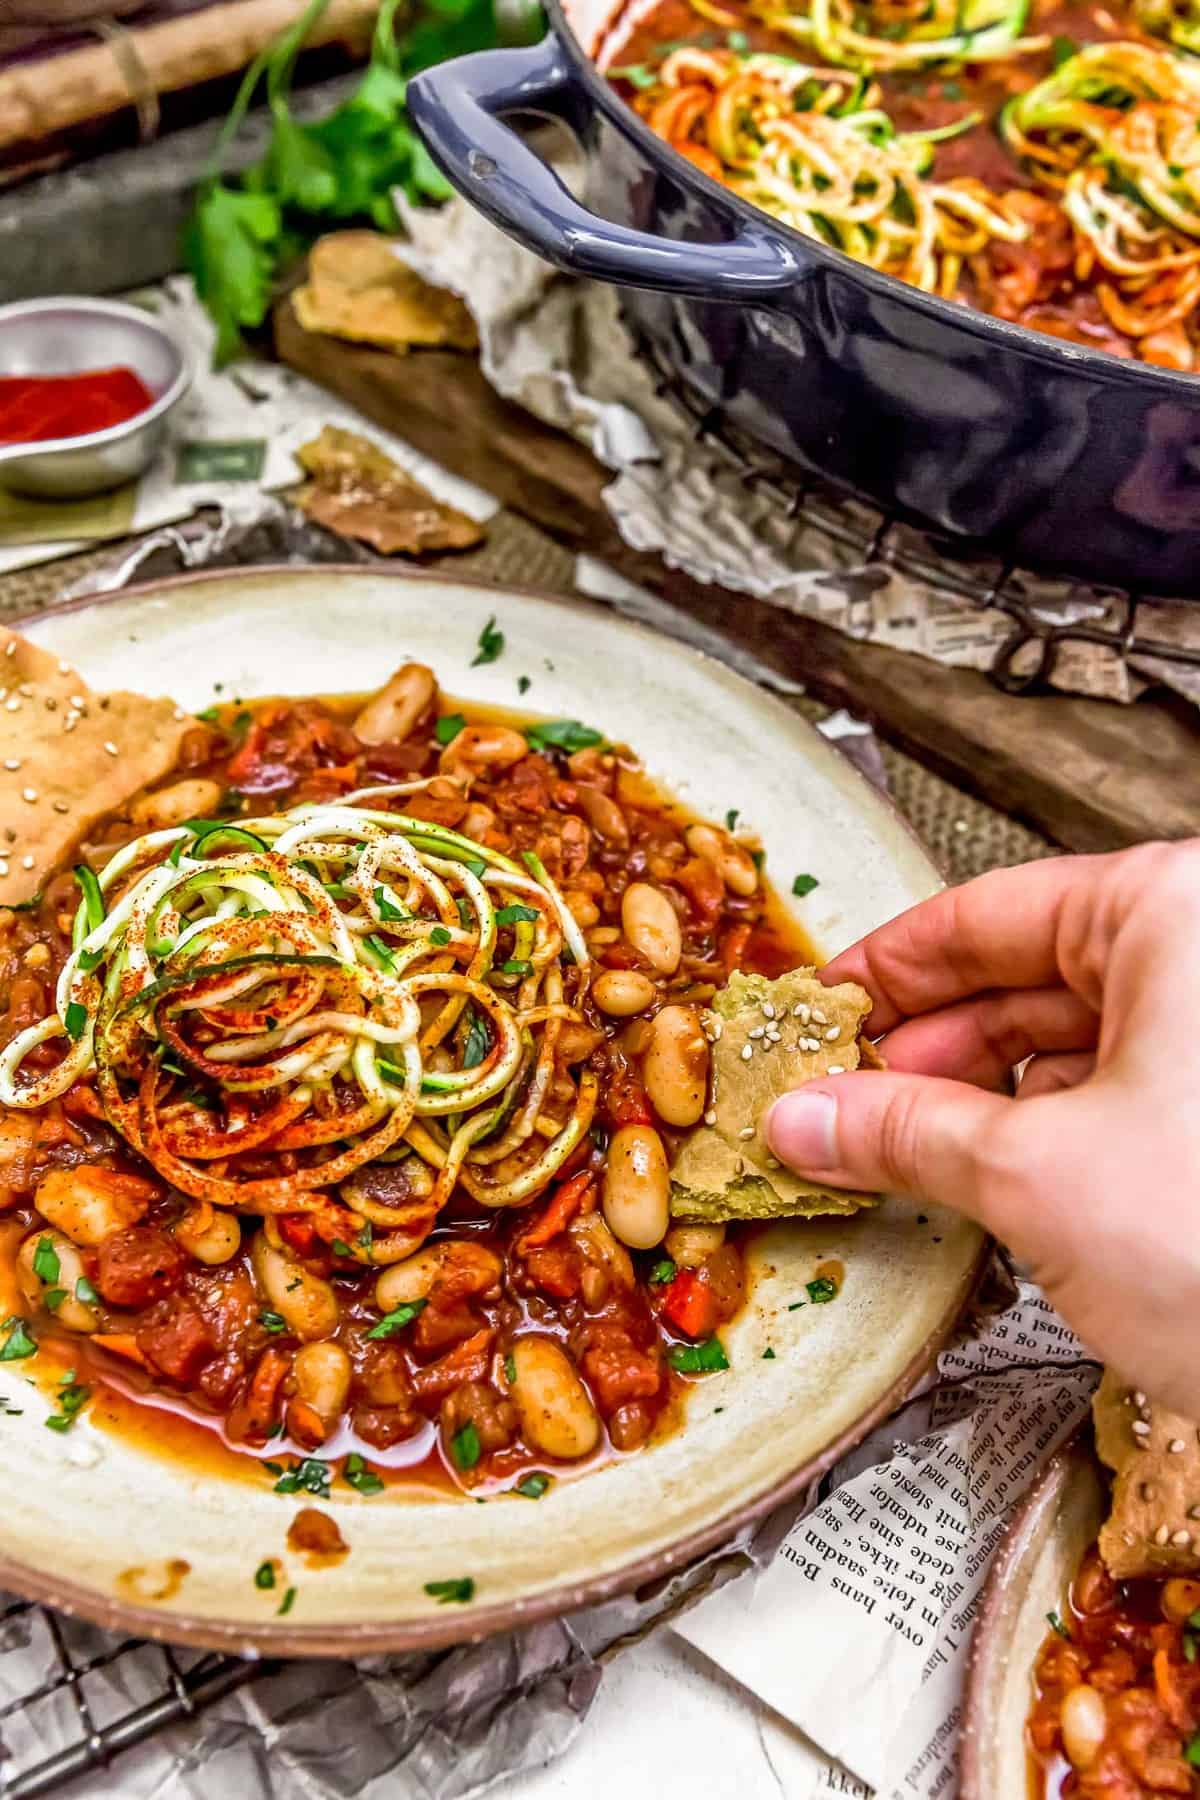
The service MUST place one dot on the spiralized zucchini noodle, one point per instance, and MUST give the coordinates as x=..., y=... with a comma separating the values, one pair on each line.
x=268, y=1006
x=1108, y=143
x=814, y=147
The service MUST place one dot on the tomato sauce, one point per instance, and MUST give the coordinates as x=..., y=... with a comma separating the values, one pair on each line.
x=37, y=408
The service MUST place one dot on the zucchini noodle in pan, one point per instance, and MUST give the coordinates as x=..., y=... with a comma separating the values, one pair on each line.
x=237, y=962
x=968, y=149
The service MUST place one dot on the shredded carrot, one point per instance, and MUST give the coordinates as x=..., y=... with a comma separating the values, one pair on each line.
x=121, y=1343
x=565, y=1203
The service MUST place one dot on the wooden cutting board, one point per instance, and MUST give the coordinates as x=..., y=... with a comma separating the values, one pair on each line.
x=1090, y=774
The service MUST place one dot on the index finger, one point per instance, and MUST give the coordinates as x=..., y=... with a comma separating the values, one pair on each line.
x=999, y=931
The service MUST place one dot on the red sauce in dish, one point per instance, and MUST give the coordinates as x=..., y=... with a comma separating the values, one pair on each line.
x=37, y=408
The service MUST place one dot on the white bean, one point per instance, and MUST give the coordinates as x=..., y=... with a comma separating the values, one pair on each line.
x=675, y=1066
x=90, y=1203
x=74, y=1313
x=209, y=1233
x=652, y=927
x=412, y=1279
x=557, y=1415
x=602, y=814
x=195, y=798
x=637, y=1187
x=483, y=746
x=307, y=1304
x=735, y=864
x=689, y=1246
x=623, y=992
x=322, y=1373
x=395, y=709
x=1084, y=1723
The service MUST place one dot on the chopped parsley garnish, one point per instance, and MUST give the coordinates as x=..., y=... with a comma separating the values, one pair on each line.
x=567, y=735
x=439, y=936
x=379, y=954
x=737, y=40
x=477, y=1041
x=46, y=1265
x=768, y=1354
x=75, y=1019
x=517, y=915
x=448, y=1593
x=53, y=1298
x=822, y=1290
x=465, y=1447
x=1189, y=1647
x=389, y=912
x=1062, y=49
x=1056, y=1624
x=286, y=1604
x=210, y=716
x=533, y=1486
x=517, y=965
x=341, y=1248
x=510, y=1370
x=72, y=1398
x=310, y=1475
x=475, y=866
x=491, y=643
x=804, y=884
x=636, y=74
x=273, y=1322
x=796, y=1305
x=397, y=1319
x=264, y=1575
x=18, y=1343
x=523, y=684
x=366, y=1237
x=663, y=1271
x=1194, y=1620
x=359, y=1477
x=1192, y=1753
x=731, y=817
x=699, y=1359
x=448, y=727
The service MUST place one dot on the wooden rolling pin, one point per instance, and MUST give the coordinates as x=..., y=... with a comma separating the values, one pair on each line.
x=39, y=100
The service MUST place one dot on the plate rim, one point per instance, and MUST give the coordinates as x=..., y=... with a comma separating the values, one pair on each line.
x=436, y=1632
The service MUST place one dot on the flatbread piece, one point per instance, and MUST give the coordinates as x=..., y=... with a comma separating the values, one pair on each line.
x=719, y=1173
x=359, y=492
x=360, y=290
x=1154, y=1526
x=68, y=756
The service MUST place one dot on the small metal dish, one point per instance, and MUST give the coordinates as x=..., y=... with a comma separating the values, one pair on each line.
x=67, y=337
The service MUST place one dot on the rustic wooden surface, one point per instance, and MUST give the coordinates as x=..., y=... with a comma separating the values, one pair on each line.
x=1090, y=774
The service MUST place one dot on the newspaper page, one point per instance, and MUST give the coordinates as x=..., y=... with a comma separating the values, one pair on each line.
x=857, y=1632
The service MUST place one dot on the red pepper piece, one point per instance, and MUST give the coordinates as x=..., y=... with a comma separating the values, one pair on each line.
x=691, y=1305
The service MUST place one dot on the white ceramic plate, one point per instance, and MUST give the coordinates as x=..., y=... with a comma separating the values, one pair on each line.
x=94, y=1522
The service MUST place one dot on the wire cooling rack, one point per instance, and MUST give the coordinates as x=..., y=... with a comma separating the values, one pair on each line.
x=1026, y=659
x=65, y=1684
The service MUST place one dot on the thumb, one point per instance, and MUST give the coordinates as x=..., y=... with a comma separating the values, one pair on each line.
x=914, y=1134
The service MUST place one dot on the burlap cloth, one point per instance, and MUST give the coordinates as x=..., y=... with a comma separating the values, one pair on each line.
x=964, y=835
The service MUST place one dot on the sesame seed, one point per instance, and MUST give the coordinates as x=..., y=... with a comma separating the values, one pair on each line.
x=1161, y=1535
x=13, y=705
x=833, y=1034
x=1141, y=1443
x=773, y=1034
x=835, y=1069
x=768, y=1011
x=64, y=668
x=747, y=1052
x=10, y=649
x=819, y=1017
x=3, y=867
x=710, y=1117
x=179, y=715
x=1127, y=1537
x=111, y=747
x=27, y=862
x=12, y=762
x=746, y=1132
x=718, y=1026
x=1193, y=1512
x=1148, y=1490
x=772, y=1162
x=76, y=700
x=26, y=690
x=51, y=703
x=1176, y=1447
x=61, y=806
x=810, y=1044
x=802, y=1012
x=756, y=1031
x=29, y=794
x=1140, y=1428
x=1181, y=1539
x=70, y=722
x=1139, y=1399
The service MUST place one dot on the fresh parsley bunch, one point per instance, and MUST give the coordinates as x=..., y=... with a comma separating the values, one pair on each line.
x=316, y=176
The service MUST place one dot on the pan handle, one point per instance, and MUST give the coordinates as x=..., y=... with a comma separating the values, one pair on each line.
x=458, y=109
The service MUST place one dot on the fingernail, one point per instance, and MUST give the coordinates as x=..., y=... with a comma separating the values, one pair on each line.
x=801, y=1130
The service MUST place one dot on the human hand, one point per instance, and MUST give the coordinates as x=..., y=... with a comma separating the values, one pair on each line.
x=1091, y=965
